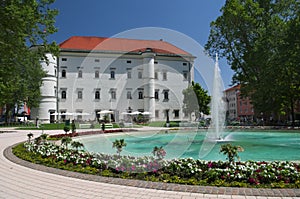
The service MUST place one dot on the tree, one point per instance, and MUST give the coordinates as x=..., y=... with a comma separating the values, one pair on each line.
x=66, y=128
x=77, y=145
x=159, y=152
x=29, y=135
x=231, y=151
x=195, y=99
x=119, y=144
x=24, y=24
x=66, y=141
x=44, y=137
x=254, y=38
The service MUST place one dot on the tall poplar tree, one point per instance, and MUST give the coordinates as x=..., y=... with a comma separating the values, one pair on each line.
x=24, y=23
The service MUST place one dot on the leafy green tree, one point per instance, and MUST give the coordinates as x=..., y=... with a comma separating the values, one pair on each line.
x=196, y=100
x=24, y=24
x=119, y=144
x=256, y=39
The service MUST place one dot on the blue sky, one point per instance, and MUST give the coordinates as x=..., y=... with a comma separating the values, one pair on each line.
x=107, y=18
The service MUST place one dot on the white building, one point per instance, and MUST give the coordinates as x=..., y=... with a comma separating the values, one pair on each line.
x=121, y=75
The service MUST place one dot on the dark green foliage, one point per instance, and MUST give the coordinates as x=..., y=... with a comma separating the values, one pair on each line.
x=24, y=24
x=260, y=40
x=196, y=100
x=119, y=144
x=66, y=129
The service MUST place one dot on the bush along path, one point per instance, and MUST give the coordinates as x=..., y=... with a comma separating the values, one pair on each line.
x=182, y=171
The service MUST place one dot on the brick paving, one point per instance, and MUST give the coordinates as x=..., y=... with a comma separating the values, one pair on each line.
x=21, y=179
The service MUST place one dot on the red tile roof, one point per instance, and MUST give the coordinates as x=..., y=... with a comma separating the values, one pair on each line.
x=236, y=87
x=85, y=43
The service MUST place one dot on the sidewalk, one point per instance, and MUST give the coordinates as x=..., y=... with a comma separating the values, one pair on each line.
x=17, y=181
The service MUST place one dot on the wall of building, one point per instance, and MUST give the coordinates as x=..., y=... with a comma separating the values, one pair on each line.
x=169, y=75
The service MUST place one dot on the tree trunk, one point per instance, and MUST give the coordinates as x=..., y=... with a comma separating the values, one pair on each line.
x=292, y=112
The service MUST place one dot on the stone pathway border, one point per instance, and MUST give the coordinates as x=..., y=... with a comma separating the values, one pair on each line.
x=230, y=191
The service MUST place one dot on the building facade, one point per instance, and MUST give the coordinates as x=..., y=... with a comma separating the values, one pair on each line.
x=93, y=74
x=238, y=108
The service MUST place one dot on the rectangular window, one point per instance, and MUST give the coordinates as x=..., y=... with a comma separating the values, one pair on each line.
x=156, y=94
x=155, y=75
x=141, y=95
x=140, y=74
x=63, y=94
x=113, y=94
x=112, y=74
x=80, y=74
x=184, y=64
x=96, y=74
x=63, y=59
x=176, y=113
x=156, y=113
x=128, y=61
x=97, y=94
x=129, y=95
x=128, y=73
x=63, y=73
x=164, y=75
x=155, y=62
x=79, y=94
x=166, y=95
x=185, y=75
x=97, y=60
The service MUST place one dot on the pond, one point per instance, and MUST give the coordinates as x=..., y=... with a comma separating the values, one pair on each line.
x=258, y=146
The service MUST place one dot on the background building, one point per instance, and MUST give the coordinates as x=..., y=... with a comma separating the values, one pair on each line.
x=238, y=108
x=94, y=74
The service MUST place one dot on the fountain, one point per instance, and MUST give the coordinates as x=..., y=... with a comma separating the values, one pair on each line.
x=215, y=132
x=217, y=106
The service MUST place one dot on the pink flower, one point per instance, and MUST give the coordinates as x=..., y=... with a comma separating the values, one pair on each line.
x=132, y=168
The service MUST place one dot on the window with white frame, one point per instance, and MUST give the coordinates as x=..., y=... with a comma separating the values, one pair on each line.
x=80, y=74
x=129, y=95
x=113, y=94
x=140, y=74
x=165, y=75
x=64, y=73
x=97, y=94
x=176, y=113
x=96, y=74
x=156, y=94
x=156, y=113
x=112, y=74
x=79, y=94
x=141, y=94
x=166, y=95
x=128, y=73
x=155, y=75
x=185, y=75
x=64, y=94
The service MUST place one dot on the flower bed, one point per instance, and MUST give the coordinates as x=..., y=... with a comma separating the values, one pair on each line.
x=184, y=171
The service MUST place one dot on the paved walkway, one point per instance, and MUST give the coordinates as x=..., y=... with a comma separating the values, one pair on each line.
x=17, y=181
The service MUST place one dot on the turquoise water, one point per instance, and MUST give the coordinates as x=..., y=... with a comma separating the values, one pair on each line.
x=258, y=146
